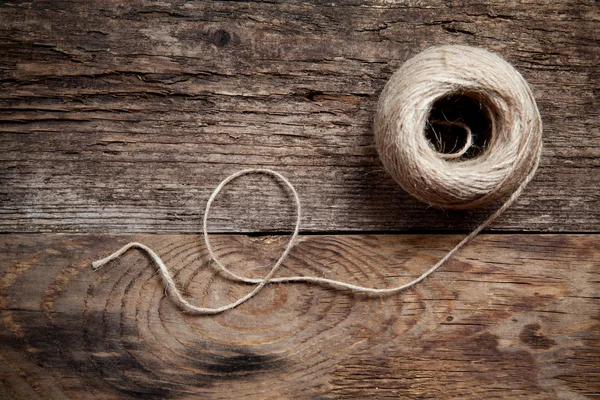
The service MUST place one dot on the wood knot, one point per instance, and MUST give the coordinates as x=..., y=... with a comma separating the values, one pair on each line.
x=220, y=38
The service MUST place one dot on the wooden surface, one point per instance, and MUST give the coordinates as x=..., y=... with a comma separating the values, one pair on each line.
x=513, y=316
x=123, y=116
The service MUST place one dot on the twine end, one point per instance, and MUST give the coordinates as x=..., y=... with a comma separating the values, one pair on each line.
x=96, y=265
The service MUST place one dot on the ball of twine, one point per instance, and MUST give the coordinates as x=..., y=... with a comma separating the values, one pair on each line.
x=451, y=181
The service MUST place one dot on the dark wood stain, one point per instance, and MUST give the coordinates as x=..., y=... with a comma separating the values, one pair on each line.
x=245, y=365
x=533, y=339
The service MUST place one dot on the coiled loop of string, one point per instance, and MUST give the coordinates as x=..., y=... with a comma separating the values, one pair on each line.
x=166, y=275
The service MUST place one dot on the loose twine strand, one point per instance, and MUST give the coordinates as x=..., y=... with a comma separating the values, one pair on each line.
x=511, y=159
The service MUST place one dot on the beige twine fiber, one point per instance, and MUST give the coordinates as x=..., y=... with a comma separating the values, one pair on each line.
x=516, y=139
x=507, y=163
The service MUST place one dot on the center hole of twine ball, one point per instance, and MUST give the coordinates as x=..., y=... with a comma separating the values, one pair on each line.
x=459, y=126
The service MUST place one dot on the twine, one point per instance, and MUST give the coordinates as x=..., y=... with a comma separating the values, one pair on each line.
x=511, y=154
x=506, y=166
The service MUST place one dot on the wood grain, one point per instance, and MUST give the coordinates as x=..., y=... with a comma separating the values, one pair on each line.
x=122, y=116
x=512, y=316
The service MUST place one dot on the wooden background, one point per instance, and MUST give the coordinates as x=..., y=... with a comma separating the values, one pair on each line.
x=117, y=119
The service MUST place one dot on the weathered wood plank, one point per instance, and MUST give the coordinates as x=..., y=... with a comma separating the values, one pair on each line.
x=123, y=116
x=512, y=316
